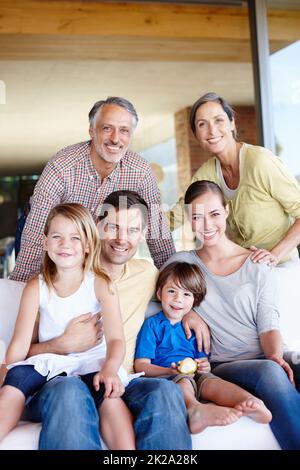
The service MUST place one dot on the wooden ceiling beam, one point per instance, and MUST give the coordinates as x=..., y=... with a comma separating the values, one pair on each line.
x=120, y=19
x=51, y=29
x=36, y=47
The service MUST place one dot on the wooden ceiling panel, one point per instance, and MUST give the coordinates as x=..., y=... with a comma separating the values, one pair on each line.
x=31, y=47
x=81, y=30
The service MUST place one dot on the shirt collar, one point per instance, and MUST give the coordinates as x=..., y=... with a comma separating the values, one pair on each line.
x=166, y=320
x=93, y=172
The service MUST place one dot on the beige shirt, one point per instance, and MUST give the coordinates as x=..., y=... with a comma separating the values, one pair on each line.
x=135, y=287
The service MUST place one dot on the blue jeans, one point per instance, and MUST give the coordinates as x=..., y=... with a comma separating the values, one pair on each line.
x=68, y=414
x=70, y=419
x=26, y=379
x=268, y=381
x=160, y=418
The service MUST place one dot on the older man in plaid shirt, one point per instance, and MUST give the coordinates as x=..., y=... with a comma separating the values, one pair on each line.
x=87, y=173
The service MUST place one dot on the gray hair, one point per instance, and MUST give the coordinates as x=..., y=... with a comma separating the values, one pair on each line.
x=208, y=97
x=122, y=102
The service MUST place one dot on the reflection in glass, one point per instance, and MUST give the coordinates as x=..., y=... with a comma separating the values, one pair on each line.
x=285, y=73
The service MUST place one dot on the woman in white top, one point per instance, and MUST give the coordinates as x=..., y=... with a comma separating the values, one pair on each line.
x=71, y=282
x=240, y=307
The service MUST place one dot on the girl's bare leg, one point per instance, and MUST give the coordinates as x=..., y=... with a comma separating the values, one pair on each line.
x=202, y=415
x=226, y=393
x=116, y=425
x=12, y=403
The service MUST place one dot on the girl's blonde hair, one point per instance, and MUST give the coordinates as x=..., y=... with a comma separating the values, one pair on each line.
x=89, y=237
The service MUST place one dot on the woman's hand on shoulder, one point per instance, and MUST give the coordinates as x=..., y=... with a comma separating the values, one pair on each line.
x=260, y=255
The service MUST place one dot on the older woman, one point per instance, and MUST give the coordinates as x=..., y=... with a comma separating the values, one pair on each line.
x=264, y=198
x=240, y=308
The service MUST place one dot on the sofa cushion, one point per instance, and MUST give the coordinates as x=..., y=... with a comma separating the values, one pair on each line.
x=244, y=434
x=10, y=295
x=24, y=437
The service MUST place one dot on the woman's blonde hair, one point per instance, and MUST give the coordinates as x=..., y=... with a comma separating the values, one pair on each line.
x=89, y=237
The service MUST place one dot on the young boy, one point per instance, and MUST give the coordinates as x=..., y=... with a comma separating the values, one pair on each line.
x=162, y=343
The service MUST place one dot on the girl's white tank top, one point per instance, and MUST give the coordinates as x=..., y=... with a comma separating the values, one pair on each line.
x=55, y=314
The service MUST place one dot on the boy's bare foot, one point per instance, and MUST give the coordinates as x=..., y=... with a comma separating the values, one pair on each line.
x=255, y=409
x=200, y=416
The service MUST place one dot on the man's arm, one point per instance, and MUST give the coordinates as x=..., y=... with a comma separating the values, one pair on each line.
x=159, y=238
x=82, y=333
x=48, y=193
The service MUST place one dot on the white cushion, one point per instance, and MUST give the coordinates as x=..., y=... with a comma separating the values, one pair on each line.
x=24, y=437
x=288, y=275
x=244, y=434
x=10, y=295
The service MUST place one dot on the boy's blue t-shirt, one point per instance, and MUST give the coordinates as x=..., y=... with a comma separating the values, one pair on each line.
x=165, y=343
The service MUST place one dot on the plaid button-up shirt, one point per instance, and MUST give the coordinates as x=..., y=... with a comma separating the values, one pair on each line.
x=70, y=177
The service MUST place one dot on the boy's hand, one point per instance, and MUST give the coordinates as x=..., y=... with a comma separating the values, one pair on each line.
x=174, y=369
x=203, y=365
x=113, y=385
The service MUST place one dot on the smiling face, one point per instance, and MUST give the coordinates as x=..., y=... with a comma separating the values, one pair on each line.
x=208, y=218
x=64, y=245
x=176, y=301
x=112, y=133
x=121, y=232
x=213, y=128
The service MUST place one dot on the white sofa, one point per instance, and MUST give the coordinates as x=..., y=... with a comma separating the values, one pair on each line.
x=244, y=434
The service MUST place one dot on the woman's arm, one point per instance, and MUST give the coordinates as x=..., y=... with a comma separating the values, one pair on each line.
x=151, y=370
x=279, y=251
x=193, y=321
x=272, y=346
x=285, y=189
x=267, y=319
x=271, y=343
x=289, y=241
x=29, y=306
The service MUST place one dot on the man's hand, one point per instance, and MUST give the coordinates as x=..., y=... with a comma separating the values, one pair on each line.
x=192, y=321
x=285, y=365
x=82, y=333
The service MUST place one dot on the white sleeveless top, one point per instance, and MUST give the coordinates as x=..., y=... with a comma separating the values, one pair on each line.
x=55, y=314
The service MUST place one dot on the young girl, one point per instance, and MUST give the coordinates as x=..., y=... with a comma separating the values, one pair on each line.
x=71, y=282
x=162, y=343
